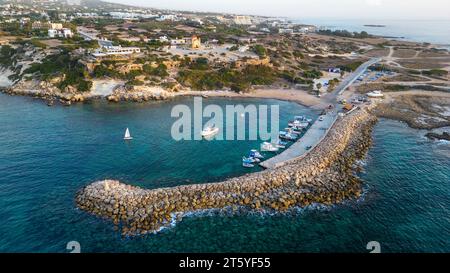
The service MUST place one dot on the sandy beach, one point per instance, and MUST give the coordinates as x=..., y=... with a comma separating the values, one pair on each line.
x=298, y=96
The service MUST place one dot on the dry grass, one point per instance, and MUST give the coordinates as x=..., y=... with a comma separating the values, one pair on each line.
x=433, y=54
x=424, y=63
x=404, y=53
x=405, y=78
x=377, y=52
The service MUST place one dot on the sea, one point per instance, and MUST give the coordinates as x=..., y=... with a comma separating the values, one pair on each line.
x=47, y=154
x=423, y=31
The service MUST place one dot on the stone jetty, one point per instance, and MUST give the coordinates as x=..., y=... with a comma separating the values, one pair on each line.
x=324, y=176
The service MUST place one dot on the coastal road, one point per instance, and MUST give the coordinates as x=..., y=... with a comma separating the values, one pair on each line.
x=354, y=76
x=319, y=129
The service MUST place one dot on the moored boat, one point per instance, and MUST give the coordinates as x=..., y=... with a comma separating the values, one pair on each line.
x=287, y=136
x=303, y=119
x=256, y=154
x=280, y=144
x=248, y=162
x=210, y=131
x=269, y=147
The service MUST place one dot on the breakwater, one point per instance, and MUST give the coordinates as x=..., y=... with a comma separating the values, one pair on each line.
x=323, y=176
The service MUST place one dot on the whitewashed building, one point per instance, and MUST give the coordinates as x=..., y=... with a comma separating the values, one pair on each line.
x=60, y=33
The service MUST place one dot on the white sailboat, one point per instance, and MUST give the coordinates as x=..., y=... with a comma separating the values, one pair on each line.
x=127, y=135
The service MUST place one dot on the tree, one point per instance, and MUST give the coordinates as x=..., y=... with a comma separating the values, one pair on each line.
x=234, y=48
x=260, y=50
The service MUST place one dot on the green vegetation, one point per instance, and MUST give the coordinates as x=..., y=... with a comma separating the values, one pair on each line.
x=159, y=71
x=312, y=74
x=346, y=34
x=7, y=56
x=200, y=64
x=396, y=87
x=332, y=84
x=292, y=78
x=226, y=77
x=298, y=54
x=134, y=82
x=260, y=50
x=102, y=71
x=435, y=73
x=351, y=67
x=62, y=65
x=234, y=48
x=38, y=43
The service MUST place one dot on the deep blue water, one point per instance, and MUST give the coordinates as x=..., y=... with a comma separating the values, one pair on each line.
x=431, y=31
x=47, y=154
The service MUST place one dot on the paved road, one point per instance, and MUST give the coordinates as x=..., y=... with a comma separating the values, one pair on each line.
x=319, y=129
x=355, y=75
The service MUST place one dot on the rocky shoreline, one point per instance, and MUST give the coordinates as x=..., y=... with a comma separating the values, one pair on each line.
x=48, y=92
x=435, y=136
x=324, y=176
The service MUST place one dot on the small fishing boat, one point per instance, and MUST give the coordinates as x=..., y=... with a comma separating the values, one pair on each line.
x=210, y=131
x=286, y=136
x=292, y=131
x=256, y=154
x=303, y=119
x=280, y=144
x=298, y=124
x=127, y=135
x=269, y=147
x=248, y=162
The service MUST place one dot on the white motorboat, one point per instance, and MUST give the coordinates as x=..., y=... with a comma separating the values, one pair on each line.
x=210, y=131
x=248, y=162
x=256, y=154
x=286, y=136
x=127, y=135
x=269, y=147
x=299, y=124
x=303, y=119
x=292, y=132
x=375, y=94
x=280, y=144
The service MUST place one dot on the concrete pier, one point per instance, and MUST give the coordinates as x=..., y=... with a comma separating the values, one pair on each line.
x=324, y=176
x=315, y=134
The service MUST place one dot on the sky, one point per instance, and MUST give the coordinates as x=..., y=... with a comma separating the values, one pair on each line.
x=328, y=9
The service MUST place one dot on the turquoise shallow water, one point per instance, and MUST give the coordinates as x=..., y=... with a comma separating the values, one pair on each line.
x=47, y=154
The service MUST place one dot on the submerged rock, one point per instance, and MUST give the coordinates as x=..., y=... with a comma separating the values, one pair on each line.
x=435, y=136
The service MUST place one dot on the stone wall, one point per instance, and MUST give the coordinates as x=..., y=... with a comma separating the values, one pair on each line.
x=323, y=176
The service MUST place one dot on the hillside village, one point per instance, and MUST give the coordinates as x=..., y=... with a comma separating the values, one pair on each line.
x=76, y=50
